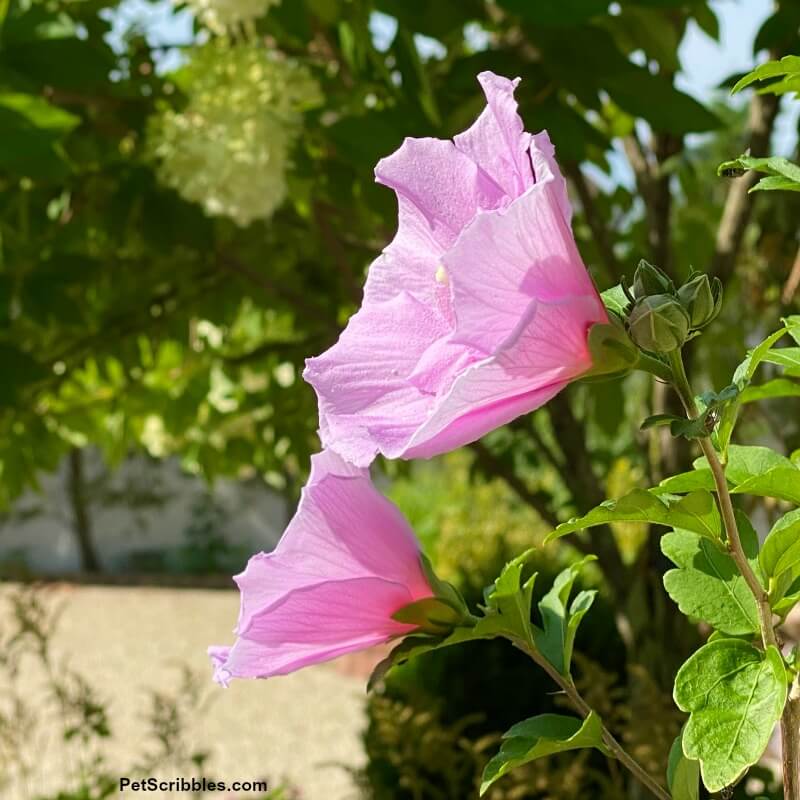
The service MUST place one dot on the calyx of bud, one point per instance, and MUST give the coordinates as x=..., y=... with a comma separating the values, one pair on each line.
x=613, y=352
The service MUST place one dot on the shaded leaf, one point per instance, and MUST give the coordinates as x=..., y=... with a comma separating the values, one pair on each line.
x=683, y=774
x=780, y=554
x=541, y=736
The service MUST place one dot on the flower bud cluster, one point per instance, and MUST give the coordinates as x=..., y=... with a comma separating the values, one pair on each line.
x=229, y=148
x=661, y=317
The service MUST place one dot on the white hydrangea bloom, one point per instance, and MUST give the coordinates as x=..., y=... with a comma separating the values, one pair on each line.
x=228, y=149
x=221, y=15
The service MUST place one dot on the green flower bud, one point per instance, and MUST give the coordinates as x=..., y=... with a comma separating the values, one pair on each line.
x=702, y=299
x=649, y=280
x=659, y=323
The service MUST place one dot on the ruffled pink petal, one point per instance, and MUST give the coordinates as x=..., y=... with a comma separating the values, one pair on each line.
x=505, y=259
x=367, y=402
x=439, y=190
x=443, y=184
x=497, y=141
x=546, y=352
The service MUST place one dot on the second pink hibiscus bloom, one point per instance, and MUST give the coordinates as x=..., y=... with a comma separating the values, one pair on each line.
x=479, y=309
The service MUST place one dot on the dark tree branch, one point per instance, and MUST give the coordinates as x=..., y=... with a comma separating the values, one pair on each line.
x=495, y=466
x=792, y=283
x=578, y=475
x=337, y=251
x=81, y=520
x=587, y=194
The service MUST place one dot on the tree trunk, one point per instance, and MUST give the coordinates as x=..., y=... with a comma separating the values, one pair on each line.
x=81, y=520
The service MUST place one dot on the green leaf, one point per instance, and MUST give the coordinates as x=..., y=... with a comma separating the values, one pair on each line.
x=701, y=425
x=430, y=615
x=782, y=483
x=39, y=112
x=780, y=554
x=696, y=512
x=442, y=589
x=615, y=299
x=511, y=599
x=749, y=461
x=564, y=13
x=683, y=774
x=752, y=470
x=417, y=644
x=791, y=597
x=786, y=357
x=734, y=694
x=776, y=183
x=559, y=624
x=775, y=166
x=683, y=482
x=777, y=387
x=707, y=584
x=789, y=65
x=744, y=374
x=541, y=736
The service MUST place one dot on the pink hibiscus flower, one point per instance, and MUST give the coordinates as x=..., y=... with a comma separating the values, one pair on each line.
x=479, y=309
x=346, y=563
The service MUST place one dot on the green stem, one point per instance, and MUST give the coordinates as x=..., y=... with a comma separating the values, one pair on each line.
x=790, y=720
x=584, y=709
x=654, y=367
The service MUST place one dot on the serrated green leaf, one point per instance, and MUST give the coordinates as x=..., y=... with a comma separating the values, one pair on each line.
x=491, y=626
x=707, y=584
x=683, y=774
x=541, y=736
x=696, y=512
x=786, y=357
x=683, y=482
x=773, y=166
x=511, y=599
x=559, y=623
x=789, y=65
x=734, y=694
x=743, y=375
x=780, y=554
x=777, y=387
x=782, y=483
x=776, y=183
x=749, y=461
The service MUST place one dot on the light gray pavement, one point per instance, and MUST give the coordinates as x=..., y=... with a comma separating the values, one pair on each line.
x=127, y=640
